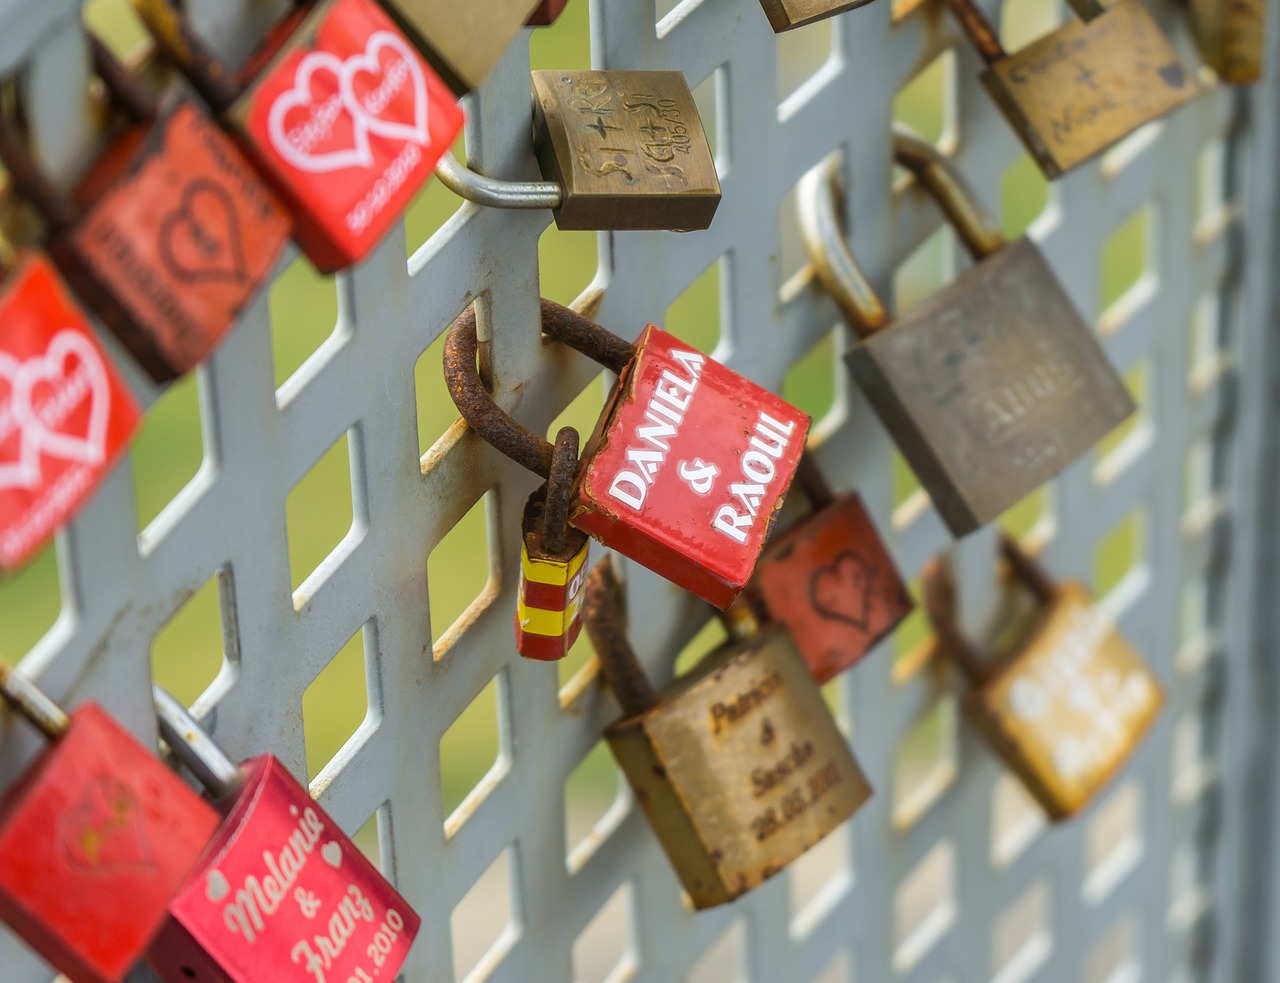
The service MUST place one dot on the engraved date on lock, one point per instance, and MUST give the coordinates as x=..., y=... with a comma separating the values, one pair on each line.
x=796, y=802
x=383, y=944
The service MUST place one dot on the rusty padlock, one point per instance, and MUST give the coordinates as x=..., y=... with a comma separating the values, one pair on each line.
x=618, y=150
x=1231, y=36
x=687, y=466
x=547, y=13
x=338, y=110
x=1073, y=93
x=553, y=562
x=829, y=579
x=65, y=414
x=785, y=14
x=95, y=838
x=171, y=232
x=990, y=387
x=738, y=765
x=280, y=893
x=1067, y=707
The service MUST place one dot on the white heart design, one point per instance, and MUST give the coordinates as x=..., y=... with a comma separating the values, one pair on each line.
x=45, y=431
x=332, y=853
x=322, y=117
x=370, y=62
x=216, y=887
x=25, y=471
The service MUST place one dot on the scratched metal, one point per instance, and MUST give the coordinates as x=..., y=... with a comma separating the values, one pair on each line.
x=1188, y=896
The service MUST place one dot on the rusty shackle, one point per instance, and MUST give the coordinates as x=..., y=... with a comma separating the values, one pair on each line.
x=604, y=618
x=982, y=33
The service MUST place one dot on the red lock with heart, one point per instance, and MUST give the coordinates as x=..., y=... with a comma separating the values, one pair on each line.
x=168, y=236
x=281, y=893
x=830, y=579
x=95, y=838
x=65, y=415
x=340, y=112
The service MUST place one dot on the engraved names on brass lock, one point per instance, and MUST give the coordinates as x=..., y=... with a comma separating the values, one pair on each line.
x=1231, y=36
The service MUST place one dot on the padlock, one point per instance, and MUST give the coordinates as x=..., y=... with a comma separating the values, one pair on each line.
x=281, y=893
x=1231, y=36
x=547, y=13
x=829, y=579
x=65, y=414
x=991, y=386
x=1069, y=704
x=169, y=235
x=618, y=150
x=338, y=110
x=1076, y=91
x=95, y=838
x=687, y=467
x=785, y=14
x=738, y=765
x=553, y=562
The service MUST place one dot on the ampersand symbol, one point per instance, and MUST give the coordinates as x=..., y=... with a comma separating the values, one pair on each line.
x=699, y=475
x=308, y=903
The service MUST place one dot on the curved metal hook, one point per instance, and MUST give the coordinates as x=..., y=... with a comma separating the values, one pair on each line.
x=493, y=193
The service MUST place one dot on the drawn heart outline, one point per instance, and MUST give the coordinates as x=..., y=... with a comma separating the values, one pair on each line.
x=357, y=155
x=370, y=61
x=184, y=220
x=841, y=591
x=103, y=832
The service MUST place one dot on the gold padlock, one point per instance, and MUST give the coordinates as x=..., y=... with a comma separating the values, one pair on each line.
x=991, y=386
x=1067, y=707
x=1079, y=89
x=785, y=14
x=738, y=765
x=1231, y=36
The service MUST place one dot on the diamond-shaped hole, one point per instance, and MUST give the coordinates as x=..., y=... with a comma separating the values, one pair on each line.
x=187, y=653
x=1123, y=445
x=319, y=513
x=1195, y=640
x=1119, y=553
x=572, y=669
x=30, y=601
x=819, y=880
x=911, y=639
x=1024, y=21
x=802, y=54
x=1024, y=194
x=1113, y=841
x=665, y=8
x=473, y=752
x=793, y=258
x=1127, y=259
x=927, y=104
x=436, y=411
x=694, y=317
x=1211, y=185
x=304, y=310
x=1192, y=767
x=812, y=384
x=433, y=206
x=604, y=951
x=1021, y=939
x=590, y=795
x=566, y=48
x=1114, y=958
x=1016, y=819
x=924, y=907
x=930, y=267
x=1189, y=897
x=460, y=583
x=116, y=23
x=725, y=961
x=924, y=765
x=367, y=841
x=709, y=637
x=1198, y=504
x=336, y=704
x=910, y=500
x=483, y=924
x=567, y=262
x=708, y=96
x=1205, y=355
x=1033, y=515
x=168, y=449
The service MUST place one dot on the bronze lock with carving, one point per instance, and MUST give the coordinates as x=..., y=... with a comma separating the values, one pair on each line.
x=991, y=386
x=1071, y=701
x=1073, y=93
x=738, y=765
x=786, y=14
x=1231, y=36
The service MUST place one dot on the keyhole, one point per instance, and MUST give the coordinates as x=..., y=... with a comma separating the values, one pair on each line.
x=189, y=973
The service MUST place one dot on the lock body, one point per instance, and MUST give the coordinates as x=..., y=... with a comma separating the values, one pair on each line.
x=348, y=122
x=628, y=148
x=785, y=14
x=549, y=605
x=831, y=581
x=991, y=386
x=687, y=467
x=547, y=13
x=178, y=233
x=95, y=839
x=740, y=767
x=1070, y=706
x=1231, y=36
x=1078, y=90
x=282, y=894
x=65, y=415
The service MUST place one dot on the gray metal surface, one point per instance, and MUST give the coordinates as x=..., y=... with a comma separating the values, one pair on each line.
x=1168, y=877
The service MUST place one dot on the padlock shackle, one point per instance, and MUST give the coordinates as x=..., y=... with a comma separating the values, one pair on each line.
x=942, y=181
x=28, y=699
x=197, y=751
x=980, y=31
x=564, y=470
x=1029, y=569
x=494, y=193
x=475, y=402
x=602, y=615
x=938, y=583
x=123, y=86
x=174, y=37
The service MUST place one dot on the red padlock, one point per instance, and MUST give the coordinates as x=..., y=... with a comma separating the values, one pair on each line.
x=65, y=415
x=830, y=580
x=281, y=893
x=95, y=838
x=169, y=235
x=687, y=467
x=547, y=13
x=344, y=117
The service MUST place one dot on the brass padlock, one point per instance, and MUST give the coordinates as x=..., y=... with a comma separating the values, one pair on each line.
x=1231, y=36
x=1069, y=704
x=738, y=765
x=991, y=386
x=785, y=14
x=1073, y=93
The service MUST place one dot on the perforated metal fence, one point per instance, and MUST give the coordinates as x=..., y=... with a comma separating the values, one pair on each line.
x=947, y=874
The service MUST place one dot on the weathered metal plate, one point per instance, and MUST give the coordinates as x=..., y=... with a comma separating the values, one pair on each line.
x=1231, y=36
x=785, y=14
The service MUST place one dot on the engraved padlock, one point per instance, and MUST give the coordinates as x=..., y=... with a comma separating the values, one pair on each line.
x=65, y=414
x=618, y=150
x=785, y=14
x=339, y=112
x=95, y=838
x=1071, y=701
x=738, y=765
x=829, y=579
x=991, y=386
x=1231, y=36
x=1076, y=91
x=169, y=235
x=553, y=562
x=687, y=466
x=280, y=893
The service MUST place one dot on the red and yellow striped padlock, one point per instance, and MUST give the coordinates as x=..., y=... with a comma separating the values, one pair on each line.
x=549, y=606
